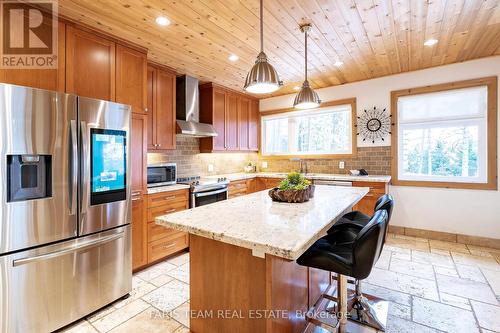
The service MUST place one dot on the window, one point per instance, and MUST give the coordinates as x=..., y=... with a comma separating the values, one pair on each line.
x=319, y=132
x=446, y=135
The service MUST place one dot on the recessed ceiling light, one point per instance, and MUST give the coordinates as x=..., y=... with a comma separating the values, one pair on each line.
x=296, y=88
x=430, y=42
x=338, y=63
x=162, y=20
x=233, y=57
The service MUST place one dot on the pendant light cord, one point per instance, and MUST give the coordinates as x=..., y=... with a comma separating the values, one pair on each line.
x=261, y=25
x=305, y=38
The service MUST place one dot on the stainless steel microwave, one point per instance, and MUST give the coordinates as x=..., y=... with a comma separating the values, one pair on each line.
x=162, y=174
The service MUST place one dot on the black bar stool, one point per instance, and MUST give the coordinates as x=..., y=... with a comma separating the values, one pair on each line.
x=358, y=220
x=340, y=253
x=362, y=308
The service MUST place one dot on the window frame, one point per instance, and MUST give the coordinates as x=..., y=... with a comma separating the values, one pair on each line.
x=324, y=105
x=491, y=124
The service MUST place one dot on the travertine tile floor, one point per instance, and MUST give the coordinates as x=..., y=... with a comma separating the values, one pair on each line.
x=433, y=286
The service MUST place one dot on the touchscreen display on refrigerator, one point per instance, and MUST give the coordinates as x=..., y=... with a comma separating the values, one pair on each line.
x=108, y=165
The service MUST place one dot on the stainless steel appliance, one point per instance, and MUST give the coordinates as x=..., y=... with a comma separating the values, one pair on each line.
x=188, y=109
x=204, y=191
x=64, y=207
x=162, y=174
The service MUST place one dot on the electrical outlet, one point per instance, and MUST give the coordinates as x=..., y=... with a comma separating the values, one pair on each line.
x=264, y=165
x=341, y=164
x=210, y=168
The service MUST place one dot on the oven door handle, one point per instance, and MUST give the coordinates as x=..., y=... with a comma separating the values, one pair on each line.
x=204, y=194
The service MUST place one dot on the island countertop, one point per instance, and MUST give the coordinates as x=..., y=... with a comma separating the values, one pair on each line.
x=257, y=223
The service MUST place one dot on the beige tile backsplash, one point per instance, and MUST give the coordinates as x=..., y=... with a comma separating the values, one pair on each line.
x=190, y=162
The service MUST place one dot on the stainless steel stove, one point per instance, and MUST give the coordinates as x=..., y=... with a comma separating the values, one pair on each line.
x=205, y=190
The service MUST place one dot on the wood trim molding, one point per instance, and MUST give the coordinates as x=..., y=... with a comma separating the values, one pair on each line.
x=351, y=101
x=161, y=67
x=492, y=139
x=103, y=34
x=446, y=236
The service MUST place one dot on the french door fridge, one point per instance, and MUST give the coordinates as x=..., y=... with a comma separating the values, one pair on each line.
x=64, y=207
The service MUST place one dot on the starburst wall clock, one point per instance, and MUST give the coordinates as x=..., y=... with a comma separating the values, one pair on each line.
x=374, y=125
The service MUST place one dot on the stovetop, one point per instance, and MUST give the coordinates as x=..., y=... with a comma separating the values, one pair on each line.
x=198, y=183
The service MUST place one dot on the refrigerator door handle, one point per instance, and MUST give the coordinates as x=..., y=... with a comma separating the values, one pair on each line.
x=85, y=167
x=67, y=250
x=73, y=188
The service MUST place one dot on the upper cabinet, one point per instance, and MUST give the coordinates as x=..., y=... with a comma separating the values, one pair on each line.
x=131, y=76
x=234, y=117
x=90, y=64
x=161, y=108
x=254, y=125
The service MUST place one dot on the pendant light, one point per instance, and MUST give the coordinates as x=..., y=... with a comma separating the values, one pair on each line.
x=262, y=78
x=307, y=98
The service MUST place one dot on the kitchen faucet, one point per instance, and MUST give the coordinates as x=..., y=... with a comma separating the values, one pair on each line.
x=302, y=165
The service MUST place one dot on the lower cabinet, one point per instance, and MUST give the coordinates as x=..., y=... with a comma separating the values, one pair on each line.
x=161, y=241
x=163, y=247
x=367, y=204
x=152, y=242
x=237, y=188
x=139, y=233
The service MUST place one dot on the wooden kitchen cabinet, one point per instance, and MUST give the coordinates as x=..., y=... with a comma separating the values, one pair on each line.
x=90, y=64
x=377, y=189
x=237, y=188
x=243, y=124
x=161, y=108
x=264, y=183
x=233, y=116
x=139, y=233
x=254, y=126
x=138, y=147
x=232, y=122
x=251, y=185
x=161, y=241
x=131, y=76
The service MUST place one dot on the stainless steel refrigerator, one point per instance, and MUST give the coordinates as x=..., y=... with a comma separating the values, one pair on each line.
x=65, y=243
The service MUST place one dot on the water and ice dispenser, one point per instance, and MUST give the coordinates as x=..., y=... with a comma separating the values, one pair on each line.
x=29, y=177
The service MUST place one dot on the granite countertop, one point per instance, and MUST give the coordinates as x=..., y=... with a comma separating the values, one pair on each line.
x=167, y=188
x=255, y=222
x=314, y=176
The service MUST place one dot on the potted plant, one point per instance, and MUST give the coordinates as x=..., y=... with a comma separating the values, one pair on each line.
x=294, y=188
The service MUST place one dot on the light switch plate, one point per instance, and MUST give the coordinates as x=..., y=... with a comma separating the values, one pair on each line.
x=264, y=165
x=210, y=168
x=341, y=165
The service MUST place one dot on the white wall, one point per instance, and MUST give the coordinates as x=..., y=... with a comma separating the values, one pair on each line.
x=469, y=212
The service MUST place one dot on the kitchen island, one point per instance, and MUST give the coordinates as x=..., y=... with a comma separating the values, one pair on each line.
x=243, y=275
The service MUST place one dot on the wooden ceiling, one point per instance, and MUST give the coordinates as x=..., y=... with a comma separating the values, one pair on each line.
x=372, y=38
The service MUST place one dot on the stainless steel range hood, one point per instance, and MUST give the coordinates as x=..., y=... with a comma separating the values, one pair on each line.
x=188, y=109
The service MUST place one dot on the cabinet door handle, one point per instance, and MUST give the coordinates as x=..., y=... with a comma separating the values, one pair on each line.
x=146, y=109
x=166, y=247
x=159, y=145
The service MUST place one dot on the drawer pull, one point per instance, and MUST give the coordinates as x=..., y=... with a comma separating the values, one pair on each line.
x=166, y=247
x=169, y=211
x=172, y=197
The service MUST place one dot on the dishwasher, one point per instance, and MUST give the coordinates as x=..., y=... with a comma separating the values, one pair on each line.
x=333, y=182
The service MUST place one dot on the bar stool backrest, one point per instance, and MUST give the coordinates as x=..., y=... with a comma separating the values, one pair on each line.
x=368, y=245
x=385, y=202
